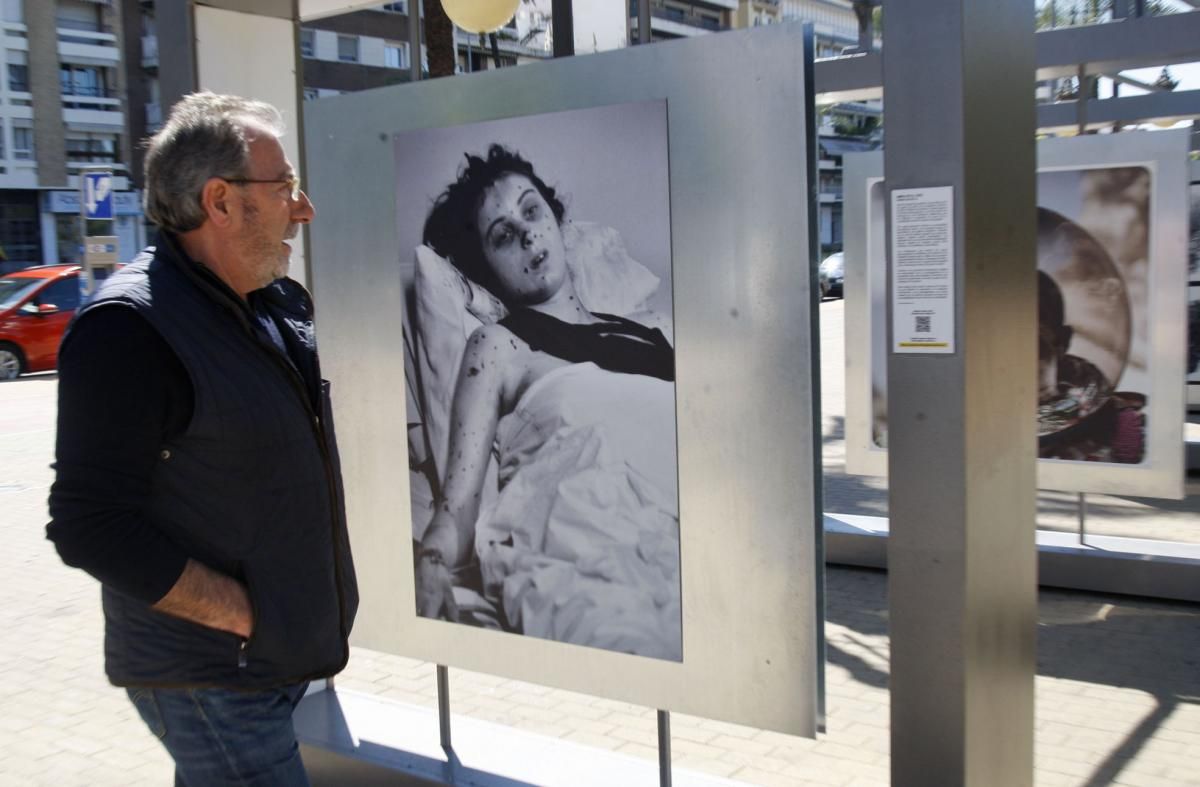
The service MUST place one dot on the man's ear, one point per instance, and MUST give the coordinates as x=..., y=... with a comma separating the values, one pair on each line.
x=218, y=201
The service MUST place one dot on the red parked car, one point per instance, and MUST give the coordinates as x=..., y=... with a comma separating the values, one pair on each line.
x=35, y=306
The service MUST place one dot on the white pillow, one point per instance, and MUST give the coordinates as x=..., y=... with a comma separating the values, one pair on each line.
x=606, y=278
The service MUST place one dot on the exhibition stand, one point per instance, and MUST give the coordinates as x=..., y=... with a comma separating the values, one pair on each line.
x=718, y=241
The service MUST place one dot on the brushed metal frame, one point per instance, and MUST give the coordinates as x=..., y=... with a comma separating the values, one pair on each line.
x=752, y=623
x=1164, y=153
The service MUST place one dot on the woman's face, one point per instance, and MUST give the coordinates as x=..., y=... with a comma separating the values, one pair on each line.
x=521, y=240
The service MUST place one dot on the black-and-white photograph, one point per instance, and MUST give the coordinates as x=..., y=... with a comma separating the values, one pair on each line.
x=540, y=368
x=1093, y=332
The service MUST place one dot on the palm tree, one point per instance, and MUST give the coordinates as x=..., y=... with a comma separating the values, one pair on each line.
x=439, y=40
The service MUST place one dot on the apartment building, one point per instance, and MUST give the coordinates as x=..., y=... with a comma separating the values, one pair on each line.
x=685, y=18
x=356, y=51
x=371, y=48
x=60, y=109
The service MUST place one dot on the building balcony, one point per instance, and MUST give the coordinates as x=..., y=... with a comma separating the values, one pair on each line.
x=108, y=115
x=97, y=98
x=93, y=47
x=19, y=175
x=18, y=34
x=154, y=117
x=149, y=51
x=677, y=22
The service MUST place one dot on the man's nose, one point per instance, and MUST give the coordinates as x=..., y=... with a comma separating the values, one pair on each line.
x=302, y=210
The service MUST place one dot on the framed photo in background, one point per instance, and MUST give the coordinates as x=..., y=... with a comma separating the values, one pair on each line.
x=1111, y=243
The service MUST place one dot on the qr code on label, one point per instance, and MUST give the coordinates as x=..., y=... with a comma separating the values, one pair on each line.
x=923, y=325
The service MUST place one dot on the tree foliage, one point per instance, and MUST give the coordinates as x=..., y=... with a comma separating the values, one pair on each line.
x=1064, y=13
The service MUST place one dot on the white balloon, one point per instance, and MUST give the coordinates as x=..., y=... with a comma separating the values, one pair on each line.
x=480, y=16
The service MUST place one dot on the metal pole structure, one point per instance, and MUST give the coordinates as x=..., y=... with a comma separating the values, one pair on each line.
x=414, y=40
x=643, y=7
x=562, y=17
x=443, y=689
x=961, y=552
x=1082, y=518
x=664, y=748
x=1084, y=86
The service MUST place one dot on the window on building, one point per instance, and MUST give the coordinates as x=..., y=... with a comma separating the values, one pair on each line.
x=395, y=54
x=23, y=144
x=348, y=49
x=79, y=15
x=91, y=148
x=395, y=8
x=18, y=77
x=20, y=229
x=308, y=42
x=14, y=11
x=82, y=81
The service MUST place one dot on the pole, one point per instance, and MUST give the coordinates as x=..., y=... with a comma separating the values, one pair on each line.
x=562, y=18
x=960, y=163
x=1081, y=99
x=664, y=748
x=643, y=7
x=414, y=40
x=1082, y=518
x=443, y=689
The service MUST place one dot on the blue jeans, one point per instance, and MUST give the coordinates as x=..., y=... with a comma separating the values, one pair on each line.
x=223, y=737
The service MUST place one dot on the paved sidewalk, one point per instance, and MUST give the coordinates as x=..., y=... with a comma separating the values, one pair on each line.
x=1118, y=687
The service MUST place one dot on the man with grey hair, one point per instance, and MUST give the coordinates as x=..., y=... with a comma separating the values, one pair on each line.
x=197, y=471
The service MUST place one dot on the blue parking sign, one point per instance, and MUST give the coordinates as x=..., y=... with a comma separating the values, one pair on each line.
x=97, y=197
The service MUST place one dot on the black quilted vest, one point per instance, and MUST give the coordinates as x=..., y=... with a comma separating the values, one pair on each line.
x=251, y=488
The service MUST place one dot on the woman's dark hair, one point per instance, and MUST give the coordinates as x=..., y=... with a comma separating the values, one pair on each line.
x=450, y=229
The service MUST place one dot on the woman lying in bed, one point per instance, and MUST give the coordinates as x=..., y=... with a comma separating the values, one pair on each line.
x=582, y=543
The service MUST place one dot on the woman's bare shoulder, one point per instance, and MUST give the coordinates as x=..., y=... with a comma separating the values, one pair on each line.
x=494, y=342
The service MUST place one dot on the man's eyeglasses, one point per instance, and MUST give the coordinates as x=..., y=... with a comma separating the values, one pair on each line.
x=293, y=183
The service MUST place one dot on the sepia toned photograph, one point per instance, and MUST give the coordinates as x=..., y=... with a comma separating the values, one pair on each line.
x=540, y=368
x=1093, y=335
x=1093, y=318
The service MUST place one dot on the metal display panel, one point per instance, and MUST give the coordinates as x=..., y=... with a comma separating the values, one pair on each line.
x=1112, y=246
x=752, y=651
x=1193, y=358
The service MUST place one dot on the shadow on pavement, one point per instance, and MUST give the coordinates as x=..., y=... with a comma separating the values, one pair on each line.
x=1124, y=642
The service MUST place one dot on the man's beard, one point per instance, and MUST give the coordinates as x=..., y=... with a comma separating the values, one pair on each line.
x=262, y=254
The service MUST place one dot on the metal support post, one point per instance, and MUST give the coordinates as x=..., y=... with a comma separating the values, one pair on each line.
x=643, y=15
x=1084, y=87
x=1082, y=518
x=443, y=689
x=664, y=748
x=414, y=40
x=562, y=17
x=961, y=553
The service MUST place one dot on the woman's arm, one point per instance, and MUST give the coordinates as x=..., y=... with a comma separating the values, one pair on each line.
x=478, y=398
